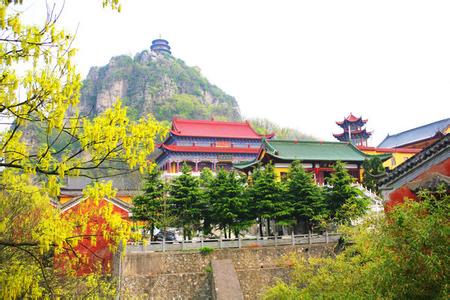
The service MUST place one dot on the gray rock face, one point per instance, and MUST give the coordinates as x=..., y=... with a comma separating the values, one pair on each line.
x=107, y=97
x=147, y=82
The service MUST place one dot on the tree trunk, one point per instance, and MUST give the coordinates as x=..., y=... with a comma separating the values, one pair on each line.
x=260, y=227
x=268, y=227
x=229, y=232
x=152, y=231
x=225, y=232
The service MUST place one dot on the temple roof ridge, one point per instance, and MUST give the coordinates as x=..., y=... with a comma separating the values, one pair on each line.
x=352, y=119
x=213, y=128
x=426, y=131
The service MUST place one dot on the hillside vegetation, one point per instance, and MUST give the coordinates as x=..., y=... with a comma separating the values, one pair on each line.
x=158, y=84
x=164, y=86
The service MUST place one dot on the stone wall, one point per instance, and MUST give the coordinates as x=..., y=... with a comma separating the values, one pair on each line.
x=186, y=275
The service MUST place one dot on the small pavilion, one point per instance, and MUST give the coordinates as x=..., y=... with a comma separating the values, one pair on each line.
x=354, y=131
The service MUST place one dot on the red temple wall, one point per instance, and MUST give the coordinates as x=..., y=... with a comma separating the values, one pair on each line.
x=98, y=253
x=398, y=196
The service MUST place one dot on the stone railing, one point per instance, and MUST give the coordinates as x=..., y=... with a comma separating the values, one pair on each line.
x=270, y=241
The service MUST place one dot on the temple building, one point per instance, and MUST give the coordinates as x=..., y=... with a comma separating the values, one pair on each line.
x=426, y=170
x=207, y=144
x=419, y=137
x=399, y=155
x=353, y=131
x=161, y=46
x=72, y=204
x=316, y=157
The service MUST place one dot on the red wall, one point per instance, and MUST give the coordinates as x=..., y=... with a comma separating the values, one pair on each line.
x=94, y=255
x=399, y=195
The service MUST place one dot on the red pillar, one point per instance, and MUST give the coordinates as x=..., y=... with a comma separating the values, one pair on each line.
x=317, y=175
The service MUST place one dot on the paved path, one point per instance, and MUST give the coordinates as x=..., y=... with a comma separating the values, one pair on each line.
x=225, y=283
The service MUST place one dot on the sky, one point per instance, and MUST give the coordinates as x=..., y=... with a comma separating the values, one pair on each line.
x=301, y=64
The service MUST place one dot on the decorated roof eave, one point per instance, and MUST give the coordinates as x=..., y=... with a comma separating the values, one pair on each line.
x=201, y=149
x=174, y=133
x=383, y=157
x=272, y=152
x=438, y=148
x=352, y=120
x=246, y=165
x=355, y=133
x=389, y=150
x=76, y=200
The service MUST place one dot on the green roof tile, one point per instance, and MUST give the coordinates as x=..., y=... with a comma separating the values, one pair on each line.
x=315, y=150
x=311, y=151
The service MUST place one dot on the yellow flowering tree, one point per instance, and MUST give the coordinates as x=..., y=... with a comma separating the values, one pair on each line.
x=46, y=140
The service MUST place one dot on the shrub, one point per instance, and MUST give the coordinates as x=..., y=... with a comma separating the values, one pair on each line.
x=208, y=269
x=206, y=250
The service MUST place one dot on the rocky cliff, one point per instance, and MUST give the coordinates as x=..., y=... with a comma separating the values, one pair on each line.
x=155, y=83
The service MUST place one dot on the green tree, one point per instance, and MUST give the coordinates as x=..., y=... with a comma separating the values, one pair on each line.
x=264, y=194
x=265, y=126
x=186, y=201
x=373, y=170
x=149, y=206
x=402, y=255
x=206, y=179
x=228, y=202
x=305, y=196
x=40, y=89
x=345, y=201
x=182, y=105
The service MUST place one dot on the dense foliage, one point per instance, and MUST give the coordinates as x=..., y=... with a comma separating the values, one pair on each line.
x=186, y=201
x=373, y=170
x=149, y=206
x=158, y=84
x=344, y=201
x=228, y=206
x=403, y=255
x=265, y=126
x=304, y=196
x=265, y=197
x=230, y=203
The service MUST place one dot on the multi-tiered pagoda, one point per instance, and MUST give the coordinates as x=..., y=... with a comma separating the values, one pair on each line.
x=353, y=131
x=161, y=46
x=207, y=144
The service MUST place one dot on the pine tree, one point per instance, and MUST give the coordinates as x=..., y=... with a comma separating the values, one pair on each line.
x=228, y=202
x=186, y=199
x=149, y=206
x=206, y=179
x=344, y=200
x=265, y=196
x=373, y=169
x=305, y=197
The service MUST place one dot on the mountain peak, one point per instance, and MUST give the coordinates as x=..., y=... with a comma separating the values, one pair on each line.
x=156, y=82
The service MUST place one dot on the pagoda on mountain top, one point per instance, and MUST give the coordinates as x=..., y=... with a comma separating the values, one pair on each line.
x=353, y=131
